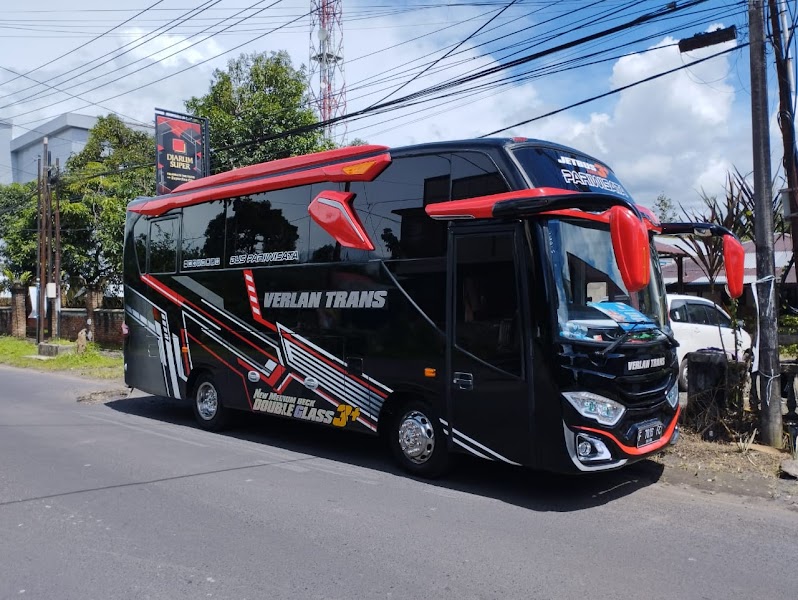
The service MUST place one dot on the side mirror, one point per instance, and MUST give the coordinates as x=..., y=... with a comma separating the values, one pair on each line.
x=734, y=261
x=630, y=246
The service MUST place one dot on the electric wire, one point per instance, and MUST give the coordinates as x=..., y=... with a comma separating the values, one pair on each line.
x=182, y=49
x=115, y=54
x=614, y=91
x=49, y=62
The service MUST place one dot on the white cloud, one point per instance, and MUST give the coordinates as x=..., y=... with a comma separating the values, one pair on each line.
x=677, y=135
x=173, y=51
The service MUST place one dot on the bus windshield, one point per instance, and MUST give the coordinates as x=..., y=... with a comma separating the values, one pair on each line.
x=592, y=302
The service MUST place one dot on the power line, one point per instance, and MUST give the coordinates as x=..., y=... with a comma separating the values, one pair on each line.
x=615, y=91
x=182, y=70
x=448, y=52
x=472, y=77
x=71, y=95
x=159, y=51
x=115, y=54
x=41, y=66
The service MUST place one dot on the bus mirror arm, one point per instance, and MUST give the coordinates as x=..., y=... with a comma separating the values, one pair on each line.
x=586, y=201
x=733, y=251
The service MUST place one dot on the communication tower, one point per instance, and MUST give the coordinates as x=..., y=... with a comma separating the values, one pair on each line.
x=327, y=83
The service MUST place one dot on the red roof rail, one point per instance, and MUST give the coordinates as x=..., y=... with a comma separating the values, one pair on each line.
x=277, y=166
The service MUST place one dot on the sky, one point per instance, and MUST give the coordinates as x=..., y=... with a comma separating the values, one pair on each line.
x=678, y=135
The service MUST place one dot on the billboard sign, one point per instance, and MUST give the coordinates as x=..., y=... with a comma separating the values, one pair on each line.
x=181, y=155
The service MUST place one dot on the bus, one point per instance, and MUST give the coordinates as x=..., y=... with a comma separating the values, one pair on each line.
x=500, y=298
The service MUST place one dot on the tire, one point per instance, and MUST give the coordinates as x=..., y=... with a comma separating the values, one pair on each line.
x=209, y=411
x=417, y=440
x=683, y=376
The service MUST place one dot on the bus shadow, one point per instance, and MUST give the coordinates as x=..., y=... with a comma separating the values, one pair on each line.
x=534, y=490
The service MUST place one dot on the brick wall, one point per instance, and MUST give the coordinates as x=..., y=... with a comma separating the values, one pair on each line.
x=5, y=320
x=107, y=324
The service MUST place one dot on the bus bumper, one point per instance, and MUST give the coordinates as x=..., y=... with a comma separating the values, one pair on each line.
x=594, y=449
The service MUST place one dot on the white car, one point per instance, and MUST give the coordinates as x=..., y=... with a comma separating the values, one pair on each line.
x=699, y=323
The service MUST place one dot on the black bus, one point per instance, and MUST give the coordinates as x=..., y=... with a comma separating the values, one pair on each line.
x=496, y=297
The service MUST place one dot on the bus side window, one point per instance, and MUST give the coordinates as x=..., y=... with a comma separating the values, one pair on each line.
x=202, y=236
x=268, y=222
x=163, y=245
x=141, y=231
x=486, y=315
x=391, y=207
x=475, y=174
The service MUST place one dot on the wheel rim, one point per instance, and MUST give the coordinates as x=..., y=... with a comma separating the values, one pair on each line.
x=416, y=437
x=207, y=401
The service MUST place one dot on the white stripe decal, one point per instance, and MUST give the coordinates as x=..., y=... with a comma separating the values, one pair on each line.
x=247, y=328
x=485, y=448
x=178, y=361
x=471, y=450
x=358, y=400
x=170, y=358
x=345, y=386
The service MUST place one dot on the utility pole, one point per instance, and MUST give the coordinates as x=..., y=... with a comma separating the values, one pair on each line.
x=44, y=238
x=769, y=370
x=57, y=269
x=786, y=121
x=39, y=253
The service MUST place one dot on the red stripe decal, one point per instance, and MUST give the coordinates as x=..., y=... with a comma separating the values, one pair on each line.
x=382, y=394
x=180, y=301
x=272, y=379
x=254, y=304
x=285, y=382
x=223, y=361
x=634, y=451
x=184, y=354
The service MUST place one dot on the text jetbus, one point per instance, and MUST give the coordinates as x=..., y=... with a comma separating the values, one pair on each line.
x=500, y=298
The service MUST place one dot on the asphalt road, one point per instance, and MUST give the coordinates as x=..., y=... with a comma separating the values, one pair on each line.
x=128, y=500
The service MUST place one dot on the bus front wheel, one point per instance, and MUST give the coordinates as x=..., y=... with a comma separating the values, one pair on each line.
x=417, y=441
x=209, y=411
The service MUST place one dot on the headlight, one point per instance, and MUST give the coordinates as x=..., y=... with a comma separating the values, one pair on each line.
x=590, y=405
x=673, y=395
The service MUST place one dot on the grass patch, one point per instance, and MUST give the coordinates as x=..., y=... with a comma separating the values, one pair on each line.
x=92, y=363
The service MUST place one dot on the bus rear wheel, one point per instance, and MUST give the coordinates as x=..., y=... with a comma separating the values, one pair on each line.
x=209, y=411
x=417, y=441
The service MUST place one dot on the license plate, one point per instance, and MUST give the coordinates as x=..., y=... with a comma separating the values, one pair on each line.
x=649, y=432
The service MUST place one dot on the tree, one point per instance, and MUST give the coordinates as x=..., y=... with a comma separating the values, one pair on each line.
x=735, y=212
x=665, y=209
x=258, y=94
x=18, y=226
x=114, y=167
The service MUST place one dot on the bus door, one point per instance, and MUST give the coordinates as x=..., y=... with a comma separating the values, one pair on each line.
x=488, y=399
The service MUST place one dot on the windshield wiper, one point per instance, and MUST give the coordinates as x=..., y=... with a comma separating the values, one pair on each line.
x=625, y=335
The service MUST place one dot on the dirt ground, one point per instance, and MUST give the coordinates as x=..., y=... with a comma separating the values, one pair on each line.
x=717, y=467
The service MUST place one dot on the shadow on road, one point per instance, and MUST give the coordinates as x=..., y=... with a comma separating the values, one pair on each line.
x=534, y=490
